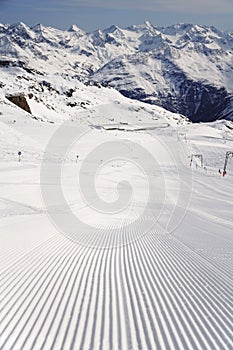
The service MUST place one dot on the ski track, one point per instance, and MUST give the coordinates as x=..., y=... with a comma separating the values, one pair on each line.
x=140, y=292
x=154, y=293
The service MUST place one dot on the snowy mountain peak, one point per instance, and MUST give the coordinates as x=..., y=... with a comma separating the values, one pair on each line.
x=21, y=30
x=75, y=29
x=113, y=28
x=178, y=28
x=38, y=28
x=20, y=26
x=148, y=24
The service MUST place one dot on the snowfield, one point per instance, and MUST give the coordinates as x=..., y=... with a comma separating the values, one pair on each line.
x=126, y=246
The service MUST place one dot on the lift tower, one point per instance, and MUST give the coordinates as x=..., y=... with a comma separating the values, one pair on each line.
x=228, y=154
x=200, y=156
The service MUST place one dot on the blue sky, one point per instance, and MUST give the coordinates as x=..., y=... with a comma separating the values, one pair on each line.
x=93, y=14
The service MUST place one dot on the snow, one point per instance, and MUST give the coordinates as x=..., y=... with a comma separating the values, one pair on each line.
x=126, y=246
x=165, y=282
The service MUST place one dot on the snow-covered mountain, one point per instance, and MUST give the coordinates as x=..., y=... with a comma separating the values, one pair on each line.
x=185, y=68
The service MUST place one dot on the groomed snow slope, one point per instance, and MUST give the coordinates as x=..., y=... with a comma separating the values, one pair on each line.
x=165, y=283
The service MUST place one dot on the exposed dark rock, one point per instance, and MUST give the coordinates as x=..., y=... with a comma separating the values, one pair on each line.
x=20, y=101
x=199, y=102
x=72, y=104
x=4, y=63
x=70, y=92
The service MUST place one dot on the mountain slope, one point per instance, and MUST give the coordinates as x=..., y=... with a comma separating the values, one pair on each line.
x=134, y=278
x=184, y=68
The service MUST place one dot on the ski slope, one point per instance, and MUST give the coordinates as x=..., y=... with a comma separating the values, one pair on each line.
x=162, y=283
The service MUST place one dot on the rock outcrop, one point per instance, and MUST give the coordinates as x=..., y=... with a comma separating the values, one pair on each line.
x=20, y=101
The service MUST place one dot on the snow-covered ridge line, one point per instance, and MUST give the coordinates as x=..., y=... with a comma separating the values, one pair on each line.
x=184, y=68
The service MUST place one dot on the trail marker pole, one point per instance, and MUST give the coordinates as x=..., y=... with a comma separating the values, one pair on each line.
x=19, y=154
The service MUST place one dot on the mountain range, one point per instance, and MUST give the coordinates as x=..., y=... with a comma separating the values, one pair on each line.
x=184, y=68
